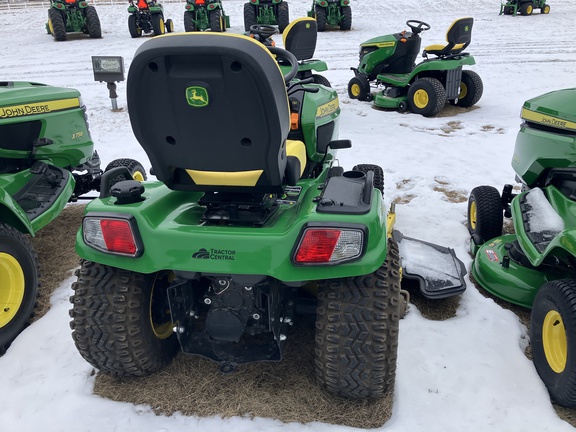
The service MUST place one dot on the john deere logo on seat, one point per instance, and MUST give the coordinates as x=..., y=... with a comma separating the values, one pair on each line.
x=197, y=96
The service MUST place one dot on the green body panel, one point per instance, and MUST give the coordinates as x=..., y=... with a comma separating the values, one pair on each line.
x=386, y=47
x=312, y=65
x=75, y=19
x=564, y=244
x=202, y=14
x=546, y=139
x=516, y=284
x=66, y=128
x=514, y=5
x=266, y=15
x=382, y=101
x=425, y=68
x=169, y=224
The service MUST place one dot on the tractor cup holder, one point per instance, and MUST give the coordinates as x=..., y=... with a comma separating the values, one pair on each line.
x=350, y=193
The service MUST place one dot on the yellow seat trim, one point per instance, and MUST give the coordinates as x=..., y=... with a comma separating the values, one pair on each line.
x=221, y=178
x=297, y=149
x=438, y=47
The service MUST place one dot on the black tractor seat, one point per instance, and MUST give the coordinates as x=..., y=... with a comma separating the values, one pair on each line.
x=458, y=37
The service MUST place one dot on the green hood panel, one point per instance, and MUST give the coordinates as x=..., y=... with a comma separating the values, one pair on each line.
x=554, y=109
x=21, y=93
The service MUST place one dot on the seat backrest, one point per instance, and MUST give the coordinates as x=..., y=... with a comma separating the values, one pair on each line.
x=460, y=32
x=300, y=37
x=211, y=112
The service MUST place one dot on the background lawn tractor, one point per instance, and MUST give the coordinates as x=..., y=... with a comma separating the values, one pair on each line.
x=147, y=16
x=266, y=12
x=72, y=16
x=525, y=7
x=201, y=15
x=250, y=226
x=423, y=88
x=333, y=13
x=47, y=159
x=535, y=267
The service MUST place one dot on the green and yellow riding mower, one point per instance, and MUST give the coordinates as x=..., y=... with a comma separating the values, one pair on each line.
x=266, y=12
x=247, y=228
x=422, y=88
x=201, y=15
x=72, y=16
x=147, y=16
x=525, y=7
x=47, y=159
x=535, y=266
x=332, y=13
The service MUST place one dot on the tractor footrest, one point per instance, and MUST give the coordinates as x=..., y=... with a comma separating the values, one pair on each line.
x=42, y=190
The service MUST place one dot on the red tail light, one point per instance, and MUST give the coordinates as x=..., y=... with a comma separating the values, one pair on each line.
x=113, y=235
x=329, y=246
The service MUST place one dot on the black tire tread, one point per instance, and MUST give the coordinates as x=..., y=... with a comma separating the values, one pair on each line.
x=58, y=24
x=489, y=214
x=93, y=22
x=249, y=16
x=357, y=326
x=378, y=174
x=437, y=90
x=346, y=23
x=283, y=16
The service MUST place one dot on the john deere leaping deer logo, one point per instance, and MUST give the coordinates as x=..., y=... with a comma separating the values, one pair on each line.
x=197, y=96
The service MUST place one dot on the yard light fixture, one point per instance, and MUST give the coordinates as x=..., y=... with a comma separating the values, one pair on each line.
x=109, y=69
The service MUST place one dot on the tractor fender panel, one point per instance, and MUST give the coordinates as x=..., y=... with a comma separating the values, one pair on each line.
x=12, y=214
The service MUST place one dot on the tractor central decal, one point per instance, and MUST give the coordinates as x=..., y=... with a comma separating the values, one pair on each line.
x=197, y=96
x=38, y=108
x=492, y=256
x=215, y=254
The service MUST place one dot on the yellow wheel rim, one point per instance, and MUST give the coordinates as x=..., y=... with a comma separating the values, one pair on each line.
x=12, y=286
x=421, y=98
x=137, y=175
x=162, y=27
x=546, y=9
x=355, y=90
x=472, y=215
x=50, y=26
x=162, y=329
x=554, y=341
x=529, y=10
x=463, y=91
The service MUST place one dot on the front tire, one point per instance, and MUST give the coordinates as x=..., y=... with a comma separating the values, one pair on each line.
x=93, y=22
x=121, y=320
x=158, y=26
x=137, y=171
x=357, y=325
x=553, y=339
x=426, y=96
x=485, y=214
x=346, y=23
x=19, y=272
x=358, y=88
x=189, y=24
x=471, y=89
x=319, y=79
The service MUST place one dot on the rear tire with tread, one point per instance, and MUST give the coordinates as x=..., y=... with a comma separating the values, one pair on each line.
x=137, y=171
x=249, y=16
x=426, y=96
x=283, y=16
x=158, y=25
x=93, y=22
x=320, y=13
x=319, y=79
x=133, y=28
x=346, y=23
x=357, y=325
x=216, y=20
x=471, y=89
x=378, y=174
x=112, y=320
x=57, y=24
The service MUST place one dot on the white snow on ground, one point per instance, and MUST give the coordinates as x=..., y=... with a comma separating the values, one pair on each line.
x=468, y=373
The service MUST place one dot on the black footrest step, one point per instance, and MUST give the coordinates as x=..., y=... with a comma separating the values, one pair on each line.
x=43, y=189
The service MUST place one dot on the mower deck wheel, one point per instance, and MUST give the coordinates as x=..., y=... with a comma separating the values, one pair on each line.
x=485, y=214
x=552, y=336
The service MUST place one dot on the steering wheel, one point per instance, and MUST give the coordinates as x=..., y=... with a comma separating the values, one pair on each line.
x=263, y=31
x=417, y=27
x=283, y=55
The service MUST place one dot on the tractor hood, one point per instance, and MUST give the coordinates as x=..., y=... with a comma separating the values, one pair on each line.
x=19, y=98
x=556, y=109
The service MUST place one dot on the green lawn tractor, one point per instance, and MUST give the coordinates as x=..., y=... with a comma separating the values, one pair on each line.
x=422, y=88
x=250, y=225
x=267, y=12
x=47, y=159
x=525, y=7
x=201, y=15
x=300, y=39
x=147, y=16
x=535, y=266
x=72, y=16
x=333, y=13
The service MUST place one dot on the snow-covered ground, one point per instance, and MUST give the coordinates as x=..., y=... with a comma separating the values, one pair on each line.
x=466, y=373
